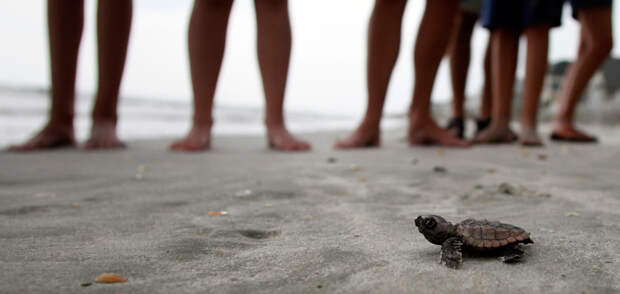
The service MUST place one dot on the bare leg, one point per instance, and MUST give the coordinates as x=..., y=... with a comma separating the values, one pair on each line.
x=274, y=50
x=596, y=44
x=65, y=23
x=383, y=47
x=536, y=67
x=430, y=47
x=459, y=60
x=207, y=40
x=484, y=116
x=114, y=25
x=504, y=63
x=460, y=55
x=487, y=92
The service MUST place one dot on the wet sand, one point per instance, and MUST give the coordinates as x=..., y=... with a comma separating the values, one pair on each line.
x=303, y=223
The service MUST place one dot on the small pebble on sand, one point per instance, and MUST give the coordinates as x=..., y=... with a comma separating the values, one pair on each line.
x=332, y=160
x=218, y=213
x=110, y=279
x=440, y=169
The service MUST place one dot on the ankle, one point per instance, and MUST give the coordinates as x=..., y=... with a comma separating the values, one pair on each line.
x=419, y=119
x=61, y=126
x=528, y=126
x=275, y=125
x=370, y=125
x=499, y=124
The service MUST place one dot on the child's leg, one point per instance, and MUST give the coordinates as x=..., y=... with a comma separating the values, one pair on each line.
x=484, y=115
x=596, y=44
x=65, y=23
x=431, y=44
x=113, y=26
x=207, y=39
x=383, y=46
x=505, y=48
x=274, y=50
x=536, y=68
x=460, y=51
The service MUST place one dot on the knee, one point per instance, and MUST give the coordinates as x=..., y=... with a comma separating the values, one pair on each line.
x=393, y=4
x=602, y=45
x=214, y=4
x=272, y=4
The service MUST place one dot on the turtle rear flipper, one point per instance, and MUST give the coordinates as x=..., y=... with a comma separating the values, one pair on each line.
x=511, y=254
x=451, y=252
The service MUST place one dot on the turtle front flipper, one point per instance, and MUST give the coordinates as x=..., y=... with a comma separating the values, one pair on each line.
x=512, y=254
x=451, y=252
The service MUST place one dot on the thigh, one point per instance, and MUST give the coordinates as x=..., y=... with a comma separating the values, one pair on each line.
x=579, y=5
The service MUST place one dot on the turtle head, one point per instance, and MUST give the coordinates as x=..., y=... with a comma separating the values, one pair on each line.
x=435, y=228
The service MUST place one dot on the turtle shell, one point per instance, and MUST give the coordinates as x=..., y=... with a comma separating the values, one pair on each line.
x=484, y=234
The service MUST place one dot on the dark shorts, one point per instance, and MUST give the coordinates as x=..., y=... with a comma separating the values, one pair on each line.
x=521, y=14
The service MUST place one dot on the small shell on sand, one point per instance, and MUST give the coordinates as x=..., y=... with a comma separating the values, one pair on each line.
x=244, y=193
x=218, y=213
x=110, y=279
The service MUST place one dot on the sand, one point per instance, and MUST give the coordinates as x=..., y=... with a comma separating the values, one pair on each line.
x=304, y=223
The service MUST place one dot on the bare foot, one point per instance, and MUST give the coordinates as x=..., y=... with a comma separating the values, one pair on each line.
x=496, y=135
x=363, y=137
x=529, y=137
x=569, y=133
x=103, y=136
x=198, y=139
x=280, y=139
x=429, y=133
x=50, y=137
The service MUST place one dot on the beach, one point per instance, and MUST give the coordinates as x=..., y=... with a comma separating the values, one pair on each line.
x=243, y=219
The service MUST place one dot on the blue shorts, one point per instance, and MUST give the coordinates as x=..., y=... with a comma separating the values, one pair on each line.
x=521, y=14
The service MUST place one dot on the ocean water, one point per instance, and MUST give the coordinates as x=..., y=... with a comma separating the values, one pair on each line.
x=326, y=88
x=24, y=111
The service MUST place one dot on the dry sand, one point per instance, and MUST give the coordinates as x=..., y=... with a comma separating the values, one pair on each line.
x=302, y=224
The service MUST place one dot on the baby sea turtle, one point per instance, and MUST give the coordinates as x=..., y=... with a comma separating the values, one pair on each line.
x=472, y=236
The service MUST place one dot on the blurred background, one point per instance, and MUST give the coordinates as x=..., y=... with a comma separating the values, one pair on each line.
x=326, y=89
